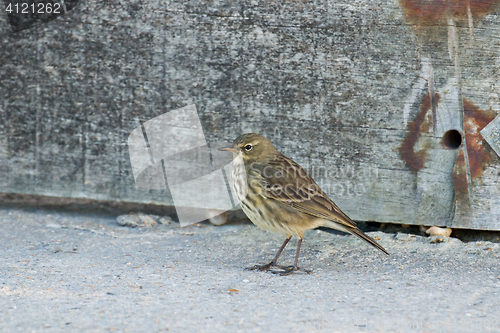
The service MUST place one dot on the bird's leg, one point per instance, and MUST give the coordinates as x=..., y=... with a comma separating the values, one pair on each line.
x=273, y=262
x=290, y=269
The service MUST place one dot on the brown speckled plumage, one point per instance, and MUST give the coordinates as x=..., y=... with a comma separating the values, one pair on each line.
x=278, y=195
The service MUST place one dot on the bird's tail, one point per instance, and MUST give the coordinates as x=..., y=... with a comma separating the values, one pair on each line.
x=360, y=234
x=353, y=230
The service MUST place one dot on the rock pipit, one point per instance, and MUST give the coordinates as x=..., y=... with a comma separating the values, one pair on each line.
x=278, y=195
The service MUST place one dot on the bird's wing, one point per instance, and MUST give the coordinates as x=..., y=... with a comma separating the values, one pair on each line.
x=284, y=180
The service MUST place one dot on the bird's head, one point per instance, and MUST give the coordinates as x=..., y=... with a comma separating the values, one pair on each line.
x=253, y=147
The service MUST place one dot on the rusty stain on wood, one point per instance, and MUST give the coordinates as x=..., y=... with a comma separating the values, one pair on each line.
x=420, y=12
x=480, y=153
x=462, y=189
x=415, y=160
x=459, y=174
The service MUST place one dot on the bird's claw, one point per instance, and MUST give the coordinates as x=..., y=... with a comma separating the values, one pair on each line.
x=265, y=267
x=289, y=270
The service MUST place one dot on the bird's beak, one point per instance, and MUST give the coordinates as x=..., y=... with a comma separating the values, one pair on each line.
x=231, y=149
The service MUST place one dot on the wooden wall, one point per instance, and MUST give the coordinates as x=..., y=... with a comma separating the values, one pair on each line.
x=360, y=93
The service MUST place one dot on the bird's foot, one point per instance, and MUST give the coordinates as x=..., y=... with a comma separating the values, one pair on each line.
x=290, y=269
x=265, y=267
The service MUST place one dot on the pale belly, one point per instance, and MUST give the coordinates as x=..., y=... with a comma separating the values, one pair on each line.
x=267, y=224
x=282, y=220
x=289, y=224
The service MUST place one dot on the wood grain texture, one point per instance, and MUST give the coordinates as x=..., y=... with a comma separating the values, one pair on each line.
x=337, y=86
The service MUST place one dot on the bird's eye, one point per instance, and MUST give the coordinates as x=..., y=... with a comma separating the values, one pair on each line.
x=248, y=147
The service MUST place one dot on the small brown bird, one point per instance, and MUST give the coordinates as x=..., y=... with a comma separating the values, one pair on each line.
x=278, y=195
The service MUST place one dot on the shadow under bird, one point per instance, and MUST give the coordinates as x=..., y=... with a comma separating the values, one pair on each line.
x=278, y=195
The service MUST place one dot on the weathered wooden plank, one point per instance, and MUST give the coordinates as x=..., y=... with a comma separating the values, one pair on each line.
x=359, y=93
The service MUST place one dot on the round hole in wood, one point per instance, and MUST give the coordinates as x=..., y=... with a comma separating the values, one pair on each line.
x=452, y=139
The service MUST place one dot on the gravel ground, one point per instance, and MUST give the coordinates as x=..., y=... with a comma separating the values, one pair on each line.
x=80, y=271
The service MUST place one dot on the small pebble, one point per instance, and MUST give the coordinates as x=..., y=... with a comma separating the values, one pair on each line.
x=437, y=231
x=220, y=219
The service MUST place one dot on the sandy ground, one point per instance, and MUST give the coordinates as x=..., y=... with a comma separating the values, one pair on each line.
x=80, y=271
